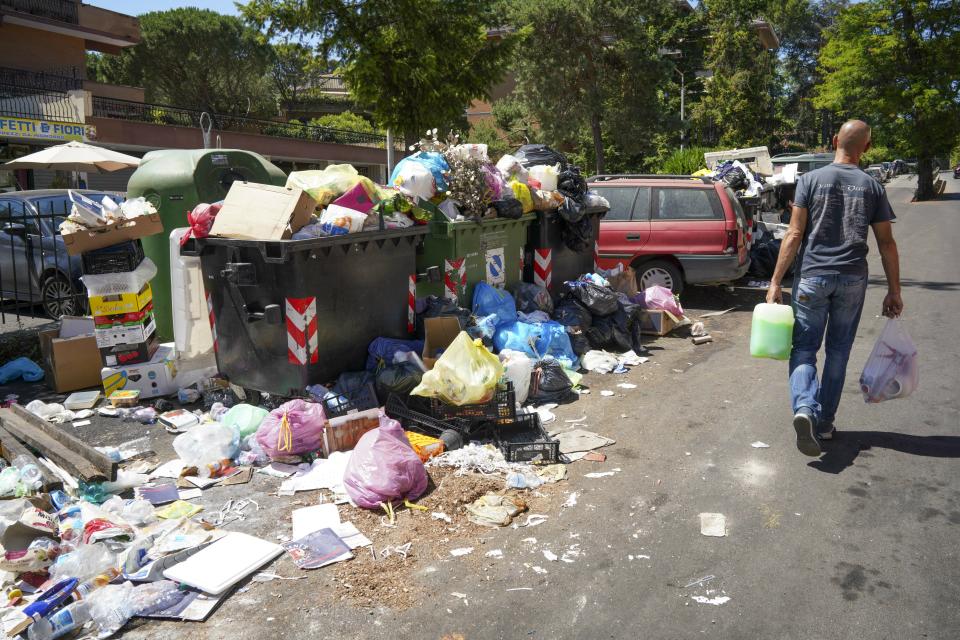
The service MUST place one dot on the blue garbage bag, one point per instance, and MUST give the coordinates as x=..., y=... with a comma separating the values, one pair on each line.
x=555, y=342
x=24, y=368
x=385, y=348
x=518, y=336
x=433, y=161
x=489, y=300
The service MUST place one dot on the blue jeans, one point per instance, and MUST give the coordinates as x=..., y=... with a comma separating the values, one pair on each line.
x=833, y=304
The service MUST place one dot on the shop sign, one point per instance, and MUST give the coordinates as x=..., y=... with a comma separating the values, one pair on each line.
x=45, y=129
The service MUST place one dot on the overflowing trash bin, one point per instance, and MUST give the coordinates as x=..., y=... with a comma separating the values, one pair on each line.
x=557, y=251
x=290, y=313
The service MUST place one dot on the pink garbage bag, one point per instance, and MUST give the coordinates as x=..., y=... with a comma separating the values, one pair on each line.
x=356, y=198
x=657, y=297
x=292, y=429
x=384, y=467
x=893, y=368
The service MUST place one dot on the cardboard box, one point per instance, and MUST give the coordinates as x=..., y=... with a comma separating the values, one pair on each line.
x=656, y=322
x=343, y=433
x=132, y=229
x=117, y=320
x=151, y=379
x=262, y=212
x=132, y=333
x=121, y=302
x=127, y=354
x=70, y=356
x=438, y=334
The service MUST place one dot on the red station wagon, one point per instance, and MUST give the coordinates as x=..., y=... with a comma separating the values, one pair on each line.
x=673, y=230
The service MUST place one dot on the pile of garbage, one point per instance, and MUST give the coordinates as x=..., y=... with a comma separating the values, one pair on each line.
x=87, y=214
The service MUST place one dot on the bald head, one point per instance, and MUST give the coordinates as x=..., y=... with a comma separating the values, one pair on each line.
x=852, y=141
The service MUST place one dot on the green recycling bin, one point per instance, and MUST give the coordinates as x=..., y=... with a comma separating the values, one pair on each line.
x=177, y=180
x=468, y=252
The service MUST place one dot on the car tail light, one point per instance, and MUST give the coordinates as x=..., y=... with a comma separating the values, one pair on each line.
x=732, y=237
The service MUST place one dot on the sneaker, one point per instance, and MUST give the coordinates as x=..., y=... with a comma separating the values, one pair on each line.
x=826, y=431
x=803, y=424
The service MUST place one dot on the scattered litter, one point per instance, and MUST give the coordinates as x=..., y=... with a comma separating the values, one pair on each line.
x=714, y=314
x=627, y=385
x=462, y=551
x=697, y=330
x=595, y=456
x=602, y=474
x=457, y=594
x=521, y=589
x=473, y=457
x=759, y=445
x=265, y=576
x=494, y=510
x=495, y=553
x=582, y=440
x=606, y=393
x=530, y=540
x=713, y=524
x=545, y=413
x=571, y=500
x=231, y=511
x=580, y=419
x=700, y=581
x=550, y=555
x=701, y=339
x=436, y=515
x=717, y=601
x=81, y=423
x=539, y=570
x=552, y=473
x=643, y=556
x=533, y=520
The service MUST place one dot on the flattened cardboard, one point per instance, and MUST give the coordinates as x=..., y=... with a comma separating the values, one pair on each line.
x=71, y=364
x=254, y=211
x=438, y=334
x=90, y=239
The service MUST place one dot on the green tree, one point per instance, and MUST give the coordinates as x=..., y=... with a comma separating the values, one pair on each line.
x=345, y=121
x=415, y=64
x=894, y=63
x=486, y=132
x=194, y=58
x=590, y=69
x=296, y=71
x=738, y=108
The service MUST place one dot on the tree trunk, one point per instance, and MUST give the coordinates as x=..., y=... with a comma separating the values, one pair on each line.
x=925, y=177
x=597, y=142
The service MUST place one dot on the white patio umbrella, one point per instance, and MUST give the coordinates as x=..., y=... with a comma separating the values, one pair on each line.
x=75, y=156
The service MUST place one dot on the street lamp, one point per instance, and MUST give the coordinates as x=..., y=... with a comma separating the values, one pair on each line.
x=699, y=75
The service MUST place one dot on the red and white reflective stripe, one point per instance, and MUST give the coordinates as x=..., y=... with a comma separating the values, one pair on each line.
x=412, y=303
x=454, y=278
x=596, y=255
x=543, y=267
x=302, y=330
x=213, y=323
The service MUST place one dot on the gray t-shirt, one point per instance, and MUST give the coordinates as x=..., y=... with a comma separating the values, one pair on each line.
x=841, y=202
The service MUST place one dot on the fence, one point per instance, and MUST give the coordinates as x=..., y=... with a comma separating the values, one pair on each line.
x=62, y=10
x=62, y=79
x=37, y=277
x=163, y=114
x=25, y=102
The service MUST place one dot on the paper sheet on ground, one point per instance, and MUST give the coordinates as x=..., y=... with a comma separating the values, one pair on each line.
x=581, y=440
x=323, y=474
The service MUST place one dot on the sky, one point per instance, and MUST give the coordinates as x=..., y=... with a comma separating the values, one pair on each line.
x=145, y=6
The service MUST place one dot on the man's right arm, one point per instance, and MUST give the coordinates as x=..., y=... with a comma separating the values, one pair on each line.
x=789, y=247
x=890, y=258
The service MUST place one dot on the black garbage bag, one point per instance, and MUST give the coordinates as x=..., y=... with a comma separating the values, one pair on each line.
x=531, y=155
x=763, y=258
x=354, y=385
x=572, y=184
x=510, y=208
x=571, y=211
x=634, y=313
x=549, y=383
x=435, y=307
x=578, y=236
x=600, y=301
x=571, y=313
x=578, y=342
x=618, y=332
x=399, y=379
x=736, y=179
x=532, y=297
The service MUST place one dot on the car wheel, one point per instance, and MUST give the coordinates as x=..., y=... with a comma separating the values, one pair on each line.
x=659, y=272
x=59, y=297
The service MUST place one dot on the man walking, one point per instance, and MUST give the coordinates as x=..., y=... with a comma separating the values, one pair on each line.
x=832, y=210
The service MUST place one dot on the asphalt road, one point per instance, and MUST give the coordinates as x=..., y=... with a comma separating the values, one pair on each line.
x=861, y=543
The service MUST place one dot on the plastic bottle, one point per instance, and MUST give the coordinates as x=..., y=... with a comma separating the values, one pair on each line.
x=60, y=622
x=214, y=469
x=110, y=607
x=29, y=472
x=84, y=589
x=771, y=331
x=155, y=596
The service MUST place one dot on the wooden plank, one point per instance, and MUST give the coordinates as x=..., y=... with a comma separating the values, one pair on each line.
x=10, y=447
x=71, y=442
x=50, y=448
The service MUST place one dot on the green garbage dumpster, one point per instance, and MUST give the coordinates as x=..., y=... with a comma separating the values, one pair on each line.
x=555, y=254
x=177, y=180
x=468, y=252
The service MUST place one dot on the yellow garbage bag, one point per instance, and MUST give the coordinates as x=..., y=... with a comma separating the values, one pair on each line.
x=522, y=193
x=328, y=184
x=466, y=373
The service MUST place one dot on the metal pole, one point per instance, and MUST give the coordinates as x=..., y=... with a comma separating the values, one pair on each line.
x=683, y=89
x=389, y=154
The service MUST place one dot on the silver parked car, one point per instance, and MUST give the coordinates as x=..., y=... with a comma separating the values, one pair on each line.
x=34, y=265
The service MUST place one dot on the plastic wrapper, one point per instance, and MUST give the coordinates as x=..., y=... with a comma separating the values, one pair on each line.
x=200, y=220
x=522, y=193
x=415, y=180
x=555, y=342
x=466, y=373
x=600, y=301
x=517, y=368
x=488, y=300
x=19, y=368
x=494, y=181
x=545, y=176
x=512, y=169
x=893, y=368
x=337, y=221
x=155, y=596
x=358, y=198
x=657, y=297
x=549, y=382
x=384, y=468
x=531, y=297
x=327, y=184
x=244, y=418
x=292, y=429
x=206, y=443
x=435, y=164
x=87, y=561
x=518, y=336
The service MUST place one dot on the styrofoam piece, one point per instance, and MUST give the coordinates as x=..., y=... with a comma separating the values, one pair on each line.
x=188, y=303
x=224, y=563
x=110, y=284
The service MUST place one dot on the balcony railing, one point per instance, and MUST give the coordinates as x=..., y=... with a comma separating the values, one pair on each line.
x=62, y=10
x=43, y=80
x=162, y=114
x=24, y=102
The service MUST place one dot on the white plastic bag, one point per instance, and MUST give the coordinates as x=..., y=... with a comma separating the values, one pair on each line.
x=893, y=369
x=414, y=179
x=546, y=175
x=517, y=368
x=336, y=220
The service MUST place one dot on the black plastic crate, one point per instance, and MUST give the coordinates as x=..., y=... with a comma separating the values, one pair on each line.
x=524, y=440
x=416, y=421
x=118, y=258
x=500, y=409
x=360, y=399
